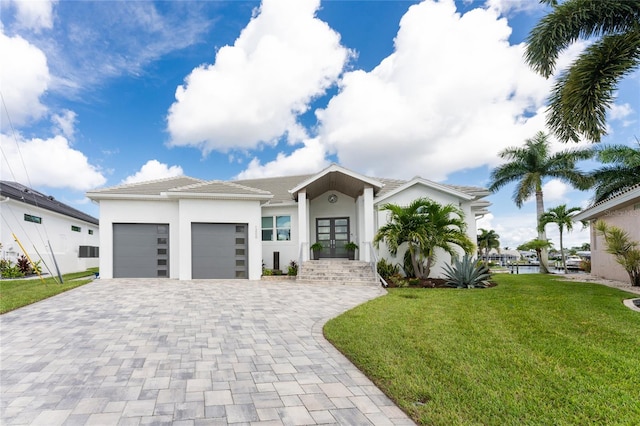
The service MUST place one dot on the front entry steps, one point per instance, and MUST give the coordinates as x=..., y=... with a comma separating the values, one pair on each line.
x=337, y=271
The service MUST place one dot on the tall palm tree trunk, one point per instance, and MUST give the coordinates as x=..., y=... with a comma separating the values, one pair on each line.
x=542, y=235
x=564, y=260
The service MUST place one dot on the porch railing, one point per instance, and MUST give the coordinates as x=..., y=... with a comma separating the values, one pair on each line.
x=374, y=265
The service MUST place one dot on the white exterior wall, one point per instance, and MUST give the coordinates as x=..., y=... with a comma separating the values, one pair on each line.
x=54, y=229
x=137, y=211
x=179, y=215
x=219, y=211
x=289, y=250
x=405, y=198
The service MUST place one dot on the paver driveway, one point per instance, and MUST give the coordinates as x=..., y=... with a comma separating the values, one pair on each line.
x=199, y=352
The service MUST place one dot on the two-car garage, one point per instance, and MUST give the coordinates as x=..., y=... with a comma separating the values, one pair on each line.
x=218, y=250
x=181, y=228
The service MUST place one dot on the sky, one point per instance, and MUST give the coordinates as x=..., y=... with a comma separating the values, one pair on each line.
x=101, y=93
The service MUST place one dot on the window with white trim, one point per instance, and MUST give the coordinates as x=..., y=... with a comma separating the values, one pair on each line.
x=276, y=228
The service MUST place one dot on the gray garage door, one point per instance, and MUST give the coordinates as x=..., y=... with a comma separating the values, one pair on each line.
x=219, y=250
x=140, y=250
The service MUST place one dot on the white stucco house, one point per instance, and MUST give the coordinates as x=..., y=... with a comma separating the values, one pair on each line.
x=49, y=230
x=622, y=211
x=187, y=228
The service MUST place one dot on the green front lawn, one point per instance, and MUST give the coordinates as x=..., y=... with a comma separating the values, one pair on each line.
x=532, y=351
x=15, y=294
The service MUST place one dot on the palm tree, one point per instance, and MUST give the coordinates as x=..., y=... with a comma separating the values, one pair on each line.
x=539, y=246
x=563, y=217
x=583, y=94
x=424, y=226
x=622, y=172
x=529, y=165
x=488, y=240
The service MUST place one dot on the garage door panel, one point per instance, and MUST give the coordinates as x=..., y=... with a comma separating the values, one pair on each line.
x=218, y=250
x=140, y=250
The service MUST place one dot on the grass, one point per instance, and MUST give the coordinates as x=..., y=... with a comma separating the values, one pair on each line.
x=532, y=351
x=15, y=294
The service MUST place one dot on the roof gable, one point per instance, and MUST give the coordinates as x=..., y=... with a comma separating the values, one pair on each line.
x=336, y=178
x=447, y=189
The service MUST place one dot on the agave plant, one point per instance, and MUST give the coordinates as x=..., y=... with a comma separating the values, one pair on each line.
x=467, y=273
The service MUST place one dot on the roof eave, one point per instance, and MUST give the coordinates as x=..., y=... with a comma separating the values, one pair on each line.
x=599, y=209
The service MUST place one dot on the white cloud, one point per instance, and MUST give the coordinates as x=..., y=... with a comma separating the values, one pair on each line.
x=452, y=95
x=64, y=123
x=152, y=170
x=34, y=14
x=620, y=111
x=283, y=59
x=47, y=162
x=308, y=159
x=25, y=77
x=555, y=190
x=505, y=7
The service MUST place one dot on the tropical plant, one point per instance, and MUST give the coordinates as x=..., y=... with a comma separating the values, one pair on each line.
x=9, y=270
x=351, y=246
x=316, y=246
x=423, y=227
x=24, y=265
x=582, y=94
x=467, y=273
x=539, y=246
x=626, y=252
x=530, y=165
x=292, y=269
x=488, y=240
x=387, y=269
x=563, y=217
x=622, y=170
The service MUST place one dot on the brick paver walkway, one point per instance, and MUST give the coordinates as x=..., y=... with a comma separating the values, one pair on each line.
x=129, y=352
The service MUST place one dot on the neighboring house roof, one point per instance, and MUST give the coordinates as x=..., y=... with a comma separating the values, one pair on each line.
x=19, y=192
x=624, y=198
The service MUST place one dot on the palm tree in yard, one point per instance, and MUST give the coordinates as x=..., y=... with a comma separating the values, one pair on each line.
x=529, y=165
x=622, y=170
x=422, y=227
x=488, y=240
x=582, y=94
x=563, y=217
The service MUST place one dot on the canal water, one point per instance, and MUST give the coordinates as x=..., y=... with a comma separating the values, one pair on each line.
x=536, y=269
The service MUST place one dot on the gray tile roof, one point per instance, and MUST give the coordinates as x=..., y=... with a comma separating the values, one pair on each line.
x=220, y=187
x=153, y=187
x=278, y=186
x=30, y=196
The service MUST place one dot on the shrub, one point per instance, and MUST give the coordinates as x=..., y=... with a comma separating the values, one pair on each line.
x=267, y=272
x=468, y=273
x=24, y=265
x=9, y=270
x=585, y=265
x=292, y=269
x=387, y=270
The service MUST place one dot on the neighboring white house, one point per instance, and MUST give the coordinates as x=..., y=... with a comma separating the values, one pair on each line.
x=47, y=229
x=186, y=228
x=621, y=210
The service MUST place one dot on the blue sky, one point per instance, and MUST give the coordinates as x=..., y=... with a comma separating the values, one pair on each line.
x=100, y=93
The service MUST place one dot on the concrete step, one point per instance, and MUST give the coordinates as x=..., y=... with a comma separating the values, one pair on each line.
x=341, y=272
